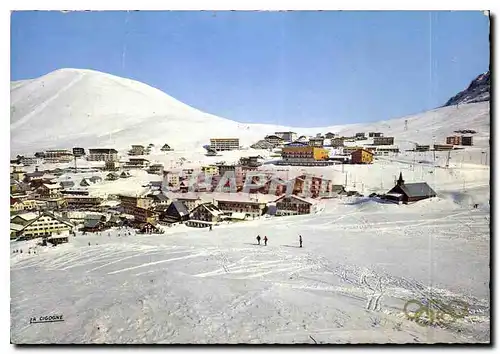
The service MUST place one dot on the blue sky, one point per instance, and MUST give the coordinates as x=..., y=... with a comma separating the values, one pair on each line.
x=294, y=68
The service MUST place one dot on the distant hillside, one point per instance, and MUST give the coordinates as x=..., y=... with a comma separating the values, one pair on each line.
x=478, y=91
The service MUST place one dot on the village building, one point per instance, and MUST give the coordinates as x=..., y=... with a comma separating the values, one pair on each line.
x=275, y=140
x=246, y=206
x=330, y=135
x=136, y=162
x=33, y=225
x=300, y=155
x=176, y=212
x=125, y=174
x=158, y=199
x=156, y=169
x=443, y=147
x=149, y=228
x=58, y=239
x=67, y=184
x=85, y=183
x=50, y=190
x=94, y=223
x=459, y=140
x=362, y=156
x=95, y=179
x=225, y=144
x=102, y=155
x=312, y=186
x=360, y=136
x=383, y=140
x=409, y=192
x=55, y=203
x=261, y=144
x=28, y=161
x=386, y=150
x=422, y=148
x=82, y=201
x=191, y=201
x=375, y=134
x=166, y=147
x=337, y=142
x=130, y=203
x=137, y=150
x=205, y=215
x=58, y=155
x=142, y=215
x=32, y=176
x=318, y=142
x=111, y=165
x=287, y=136
x=250, y=161
x=294, y=205
x=210, y=170
x=112, y=176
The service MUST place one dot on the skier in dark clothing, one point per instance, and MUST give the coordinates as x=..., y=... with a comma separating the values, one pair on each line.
x=258, y=239
x=265, y=240
x=300, y=240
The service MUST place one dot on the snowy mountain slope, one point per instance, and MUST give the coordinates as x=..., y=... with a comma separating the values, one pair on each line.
x=477, y=91
x=75, y=107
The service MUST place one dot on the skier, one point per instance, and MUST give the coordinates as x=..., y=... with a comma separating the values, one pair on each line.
x=300, y=240
x=258, y=239
x=89, y=243
x=210, y=227
x=265, y=240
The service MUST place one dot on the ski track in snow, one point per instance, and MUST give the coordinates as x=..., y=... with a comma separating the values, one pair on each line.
x=159, y=270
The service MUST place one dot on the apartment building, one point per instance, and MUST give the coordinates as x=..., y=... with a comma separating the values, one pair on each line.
x=102, y=155
x=224, y=144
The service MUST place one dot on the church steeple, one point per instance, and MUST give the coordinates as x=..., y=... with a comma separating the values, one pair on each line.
x=401, y=181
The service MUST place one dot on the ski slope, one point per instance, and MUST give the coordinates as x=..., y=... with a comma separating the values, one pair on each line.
x=361, y=261
x=76, y=107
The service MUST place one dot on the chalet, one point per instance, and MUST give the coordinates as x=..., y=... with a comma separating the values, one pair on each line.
x=67, y=184
x=112, y=176
x=137, y=150
x=286, y=136
x=125, y=174
x=94, y=223
x=50, y=190
x=158, y=199
x=135, y=162
x=102, y=155
x=275, y=140
x=59, y=155
x=95, y=179
x=29, y=177
x=190, y=202
x=329, y=135
x=249, y=207
x=156, y=169
x=204, y=215
x=294, y=205
x=166, y=147
x=85, y=182
x=318, y=142
x=250, y=161
x=409, y=192
x=34, y=225
x=375, y=134
x=360, y=136
x=176, y=212
x=362, y=156
x=261, y=144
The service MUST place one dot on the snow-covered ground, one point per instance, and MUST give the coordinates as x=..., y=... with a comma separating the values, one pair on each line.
x=199, y=286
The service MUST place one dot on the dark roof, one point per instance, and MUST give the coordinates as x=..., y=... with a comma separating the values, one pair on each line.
x=103, y=151
x=91, y=223
x=160, y=197
x=65, y=184
x=180, y=207
x=421, y=189
x=155, y=183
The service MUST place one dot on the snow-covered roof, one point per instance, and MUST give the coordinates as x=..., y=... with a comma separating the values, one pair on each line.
x=52, y=186
x=16, y=227
x=26, y=216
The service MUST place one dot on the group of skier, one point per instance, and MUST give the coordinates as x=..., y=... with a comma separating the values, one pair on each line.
x=266, y=239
